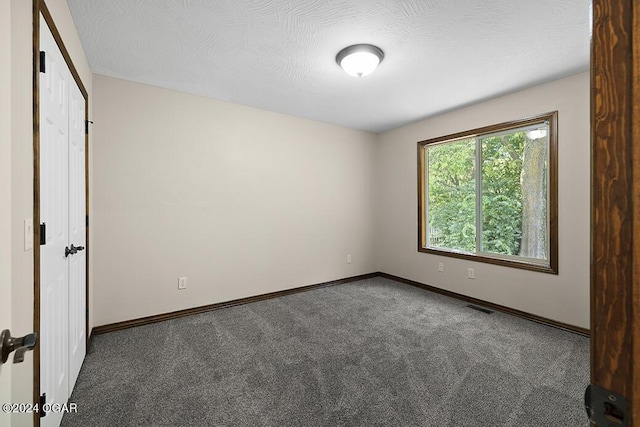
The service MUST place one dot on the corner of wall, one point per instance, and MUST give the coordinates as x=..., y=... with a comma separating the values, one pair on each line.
x=376, y=200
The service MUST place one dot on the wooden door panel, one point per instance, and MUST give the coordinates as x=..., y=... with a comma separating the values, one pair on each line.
x=615, y=182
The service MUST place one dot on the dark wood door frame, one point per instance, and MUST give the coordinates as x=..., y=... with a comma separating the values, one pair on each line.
x=39, y=7
x=615, y=199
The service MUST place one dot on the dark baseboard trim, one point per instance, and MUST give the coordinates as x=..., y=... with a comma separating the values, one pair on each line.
x=89, y=340
x=211, y=307
x=490, y=305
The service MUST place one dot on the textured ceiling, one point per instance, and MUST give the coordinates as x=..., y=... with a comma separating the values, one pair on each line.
x=279, y=55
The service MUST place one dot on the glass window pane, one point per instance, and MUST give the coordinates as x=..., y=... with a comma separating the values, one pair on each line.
x=514, y=193
x=451, y=200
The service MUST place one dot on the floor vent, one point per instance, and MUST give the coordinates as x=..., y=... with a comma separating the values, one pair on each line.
x=482, y=309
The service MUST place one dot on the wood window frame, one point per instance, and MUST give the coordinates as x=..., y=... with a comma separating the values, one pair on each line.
x=552, y=268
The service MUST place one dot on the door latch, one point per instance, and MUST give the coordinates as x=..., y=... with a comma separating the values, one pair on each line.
x=605, y=408
x=20, y=345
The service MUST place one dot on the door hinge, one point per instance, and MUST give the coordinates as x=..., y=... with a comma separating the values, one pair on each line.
x=87, y=220
x=43, y=233
x=86, y=126
x=43, y=68
x=43, y=402
x=605, y=408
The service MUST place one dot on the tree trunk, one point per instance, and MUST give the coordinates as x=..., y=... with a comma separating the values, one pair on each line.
x=534, y=199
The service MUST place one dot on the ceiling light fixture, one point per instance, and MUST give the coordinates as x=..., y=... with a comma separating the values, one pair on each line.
x=359, y=60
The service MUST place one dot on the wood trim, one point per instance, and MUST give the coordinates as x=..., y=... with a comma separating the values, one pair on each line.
x=635, y=281
x=39, y=7
x=87, y=243
x=422, y=232
x=90, y=340
x=492, y=306
x=553, y=193
x=495, y=261
x=615, y=200
x=233, y=303
x=65, y=53
x=552, y=118
x=211, y=307
x=36, y=204
x=504, y=126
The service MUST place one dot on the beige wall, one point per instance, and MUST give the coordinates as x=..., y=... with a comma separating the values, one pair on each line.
x=244, y=202
x=21, y=170
x=21, y=196
x=241, y=201
x=564, y=297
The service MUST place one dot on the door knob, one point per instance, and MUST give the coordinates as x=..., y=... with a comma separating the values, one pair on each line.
x=71, y=251
x=77, y=248
x=19, y=345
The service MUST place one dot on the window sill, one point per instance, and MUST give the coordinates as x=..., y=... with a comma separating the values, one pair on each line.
x=523, y=265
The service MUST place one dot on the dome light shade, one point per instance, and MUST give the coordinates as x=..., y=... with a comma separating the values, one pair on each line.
x=359, y=60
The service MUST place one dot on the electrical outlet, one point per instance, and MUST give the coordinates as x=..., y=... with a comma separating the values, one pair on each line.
x=441, y=267
x=349, y=259
x=471, y=273
x=182, y=283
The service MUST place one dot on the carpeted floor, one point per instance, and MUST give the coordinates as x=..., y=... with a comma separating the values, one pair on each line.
x=369, y=353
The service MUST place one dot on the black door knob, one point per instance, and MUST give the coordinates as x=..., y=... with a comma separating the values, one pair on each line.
x=77, y=248
x=71, y=251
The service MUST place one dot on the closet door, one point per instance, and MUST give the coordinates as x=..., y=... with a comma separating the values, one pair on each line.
x=62, y=209
x=54, y=213
x=77, y=233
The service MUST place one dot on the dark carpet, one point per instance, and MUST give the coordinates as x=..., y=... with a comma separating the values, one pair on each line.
x=368, y=353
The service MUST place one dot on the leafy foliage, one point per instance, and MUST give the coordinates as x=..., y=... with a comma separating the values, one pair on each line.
x=452, y=194
x=502, y=193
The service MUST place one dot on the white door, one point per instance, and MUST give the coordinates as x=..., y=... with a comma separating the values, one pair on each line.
x=62, y=210
x=54, y=213
x=77, y=233
x=5, y=197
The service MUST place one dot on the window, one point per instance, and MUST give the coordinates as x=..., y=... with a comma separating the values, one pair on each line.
x=490, y=194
